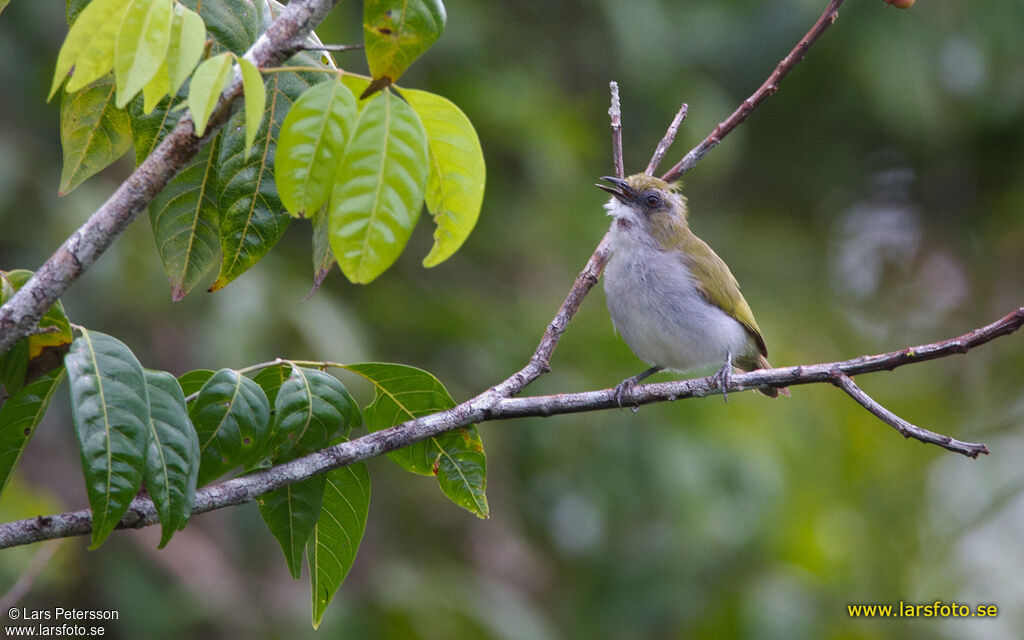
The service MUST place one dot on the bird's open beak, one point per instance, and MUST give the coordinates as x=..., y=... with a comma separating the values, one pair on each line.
x=620, y=190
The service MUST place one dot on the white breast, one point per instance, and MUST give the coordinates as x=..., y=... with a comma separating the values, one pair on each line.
x=658, y=310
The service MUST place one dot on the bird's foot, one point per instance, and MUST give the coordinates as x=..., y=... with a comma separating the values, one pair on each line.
x=631, y=383
x=724, y=376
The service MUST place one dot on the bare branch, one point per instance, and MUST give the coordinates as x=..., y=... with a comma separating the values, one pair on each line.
x=615, y=113
x=331, y=47
x=493, y=404
x=769, y=87
x=21, y=313
x=906, y=429
x=667, y=140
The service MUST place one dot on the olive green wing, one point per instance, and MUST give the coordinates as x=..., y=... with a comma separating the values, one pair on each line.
x=719, y=287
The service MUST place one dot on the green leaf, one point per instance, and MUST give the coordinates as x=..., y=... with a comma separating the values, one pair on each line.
x=456, y=457
x=89, y=46
x=252, y=216
x=323, y=258
x=311, y=408
x=155, y=90
x=357, y=84
x=192, y=381
x=455, y=187
x=312, y=145
x=19, y=416
x=270, y=380
x=232, y=26
x=184, y=217
x=396, y=32
x=141, y=46
x=188, y=38
x=207, y=83
x=291, y=513
x=14, y=366
x=149, y=129
x=172, y=455
x=380, y=188
x=255, y=100
x=110, y=408
x=232, y=419
x=93, y=132
x=332, y=547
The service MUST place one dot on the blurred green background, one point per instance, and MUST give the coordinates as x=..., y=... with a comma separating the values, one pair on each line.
x=875, y=202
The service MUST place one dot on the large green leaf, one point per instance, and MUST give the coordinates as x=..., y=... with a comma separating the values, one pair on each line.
x=232, y=419
x=311, y=408
x=380, y=188
x=396, y=32
x=232, y=27
x=332, y=547
x=455, y=188
x=312, y=145
x=89, y=45
x=172, y=455
x=291, y=513
x=19, y=417
x=141, y=46
x=184, y=217
x=207, y=83
x=110, y=408
x=93, y=132
x=252, y=216
x=456, y=458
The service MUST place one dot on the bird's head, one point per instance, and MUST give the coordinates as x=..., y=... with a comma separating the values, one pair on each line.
x=647, y=203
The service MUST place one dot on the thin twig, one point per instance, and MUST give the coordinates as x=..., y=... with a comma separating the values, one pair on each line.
x=769, y=87
x=492, y=405
x=22, y=312
x=615, y=113
x=907, y=430
x=666, y=142
x=331, y=47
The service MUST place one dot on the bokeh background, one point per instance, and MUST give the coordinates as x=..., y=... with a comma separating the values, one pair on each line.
x=875, y=202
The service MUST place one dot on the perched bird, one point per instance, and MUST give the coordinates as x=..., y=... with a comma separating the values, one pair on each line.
x=671, y=298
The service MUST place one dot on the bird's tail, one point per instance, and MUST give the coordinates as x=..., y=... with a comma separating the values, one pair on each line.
x=771, y=392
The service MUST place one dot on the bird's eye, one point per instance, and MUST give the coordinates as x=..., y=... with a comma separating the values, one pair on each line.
x=652, y=199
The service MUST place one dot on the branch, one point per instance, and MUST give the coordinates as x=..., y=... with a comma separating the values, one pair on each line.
x=906, y=429
x=770, y=86
x=615, y=114
x=491, y=405
x=667, y=140
x=20, y=314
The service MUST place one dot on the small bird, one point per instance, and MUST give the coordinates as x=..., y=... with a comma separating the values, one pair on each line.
x=670, y=296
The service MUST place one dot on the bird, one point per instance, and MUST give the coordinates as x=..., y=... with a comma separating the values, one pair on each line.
x=670, y=297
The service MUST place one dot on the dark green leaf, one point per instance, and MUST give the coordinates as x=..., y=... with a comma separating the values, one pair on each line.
x=323, y=258
x=149, y=129
x=141, y=47
x=311, y=408
x=291, y=513
x=192, y=381
x=232, y=419
x=172, y=456
x=332, y=547
x=380, y=188
x=455, y=187
x=184, y=217
x=456, y=457
x=252, y=216
x=270, y=380
x=14, y=366
x=312, y=144
x=93, y=132
x=110, y=408
x=396, y=32
x=232, y=26
x=89, y=45
x=19, y=417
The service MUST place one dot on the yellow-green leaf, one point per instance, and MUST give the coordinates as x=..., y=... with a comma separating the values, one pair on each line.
x=141, y=47
x=455, y=186
x=396, y=32
x=255, y=100
x=188, y=38
x=93, y=132
x=207, y=83
x=89, y=46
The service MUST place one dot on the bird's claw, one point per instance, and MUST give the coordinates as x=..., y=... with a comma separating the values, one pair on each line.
x=626, y=385
x=723, y=378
